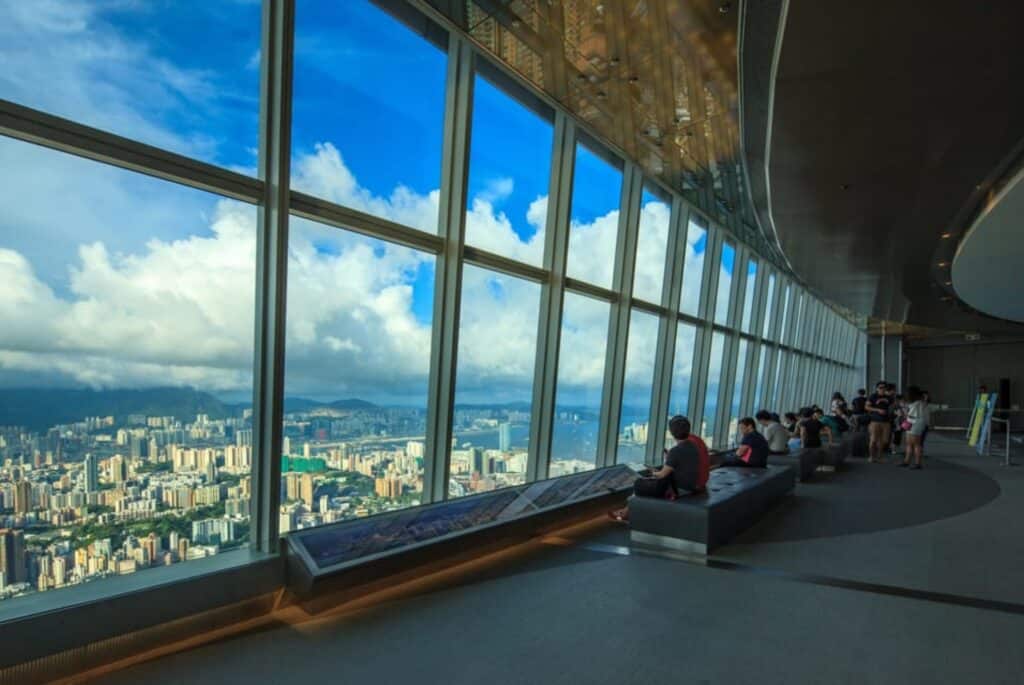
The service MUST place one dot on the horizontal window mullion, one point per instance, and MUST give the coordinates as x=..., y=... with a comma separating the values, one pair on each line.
x=40, y=128
x=324, y=212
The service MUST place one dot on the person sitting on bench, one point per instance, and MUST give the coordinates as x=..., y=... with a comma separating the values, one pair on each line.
x=774, y=432
x=811, y=428
x=685, y=469
x=753, y=449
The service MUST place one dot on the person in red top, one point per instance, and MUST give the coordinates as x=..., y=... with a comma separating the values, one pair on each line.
x=686, y=468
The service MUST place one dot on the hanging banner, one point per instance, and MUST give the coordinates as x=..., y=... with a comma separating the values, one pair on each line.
x=977, y=416
x=986, y=424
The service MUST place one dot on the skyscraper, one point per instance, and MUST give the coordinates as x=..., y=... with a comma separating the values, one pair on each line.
x=91, y=468
x=505, y=436
x=118, y=469
x=22, y=498
x=12, y=555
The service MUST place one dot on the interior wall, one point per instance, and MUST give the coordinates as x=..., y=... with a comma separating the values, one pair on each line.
x=952, y=372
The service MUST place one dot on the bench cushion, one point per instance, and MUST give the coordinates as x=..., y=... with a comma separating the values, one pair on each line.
x=736, y=497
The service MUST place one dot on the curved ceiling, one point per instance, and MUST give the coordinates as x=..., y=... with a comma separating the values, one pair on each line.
x=886, y=123
x=987, y=266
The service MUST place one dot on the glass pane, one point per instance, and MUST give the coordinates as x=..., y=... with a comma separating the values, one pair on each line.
x=180, y=76
x=126, y=355
x=494, y=381
x=651, y=248
x=777, y=394
x=356, y=71
x=639, y=384
x=737, y=390
x=768, y=311
x=707, y=428
x=783, y=330
x=762, y=354
x=693, y=269
x=724, y=284
x=356, y=369
x=682, y=369
x=594, y=222
x=509, y=167
x=748, y=295
x=581, y=359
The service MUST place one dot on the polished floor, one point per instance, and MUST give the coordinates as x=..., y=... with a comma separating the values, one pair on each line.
x=871, y=575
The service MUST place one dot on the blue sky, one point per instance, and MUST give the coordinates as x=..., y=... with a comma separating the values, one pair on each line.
x=367, y=132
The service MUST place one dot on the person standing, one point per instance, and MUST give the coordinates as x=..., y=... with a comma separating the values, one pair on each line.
x=879, y=408
x=860, y=412
x=917, y=418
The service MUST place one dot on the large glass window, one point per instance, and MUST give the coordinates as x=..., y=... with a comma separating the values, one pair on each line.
x=126, y=355
x=768, y=304
x=509, y=168
x=748, y=296
x=714, y=386
x=737, y=390
x=682, y=373
x=651, y=247
x=762, y=354
x=494, y=381
x=356, y=370
x=783, y=328
x=594, y=222
x=693, y=268
x=725, y=283
x=356, y=140
x=637, y=389
x=180, y=76
x=581, y=359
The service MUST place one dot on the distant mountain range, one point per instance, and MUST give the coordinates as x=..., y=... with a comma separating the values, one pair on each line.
x=38, y=409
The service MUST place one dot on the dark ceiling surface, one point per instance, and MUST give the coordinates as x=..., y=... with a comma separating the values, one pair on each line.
x=889, y=121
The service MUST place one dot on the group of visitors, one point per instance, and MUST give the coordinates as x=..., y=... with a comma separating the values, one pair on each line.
x=888, y=418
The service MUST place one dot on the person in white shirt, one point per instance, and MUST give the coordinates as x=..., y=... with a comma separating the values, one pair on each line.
x=774, y=432
x=918, y=417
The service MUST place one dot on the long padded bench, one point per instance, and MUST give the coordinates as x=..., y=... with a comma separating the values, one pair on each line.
x=736, y=497
x=805, y=462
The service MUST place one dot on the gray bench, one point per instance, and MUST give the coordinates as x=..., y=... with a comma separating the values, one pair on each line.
x=804, y=461
x=736, y=497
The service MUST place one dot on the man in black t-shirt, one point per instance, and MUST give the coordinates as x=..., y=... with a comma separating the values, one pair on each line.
x=860, y=411
x=686, y=468
x=879, y=408
x=753, y=449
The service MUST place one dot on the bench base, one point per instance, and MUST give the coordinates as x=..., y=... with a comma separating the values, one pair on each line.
x=687, y=547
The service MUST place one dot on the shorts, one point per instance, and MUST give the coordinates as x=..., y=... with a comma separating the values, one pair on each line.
x=880, y=432
x=652, y=487
x=918, y=429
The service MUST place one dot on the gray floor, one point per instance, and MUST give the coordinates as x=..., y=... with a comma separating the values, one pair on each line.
x=580, y=615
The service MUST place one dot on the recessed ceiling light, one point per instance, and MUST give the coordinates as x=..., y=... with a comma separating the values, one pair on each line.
x=943, y=264
x=949, y=282
x=601, y=95
x=946, y=235
x=725, y=7
x=634, y=79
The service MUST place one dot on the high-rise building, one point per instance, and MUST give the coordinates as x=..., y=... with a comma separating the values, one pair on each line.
x=22, y=497
x=12, y=556
x=91, y=470
x=118, y=469
x=505, y=436
x=307, y=489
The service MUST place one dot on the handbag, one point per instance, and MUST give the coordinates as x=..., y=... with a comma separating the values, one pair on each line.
x=905, y=425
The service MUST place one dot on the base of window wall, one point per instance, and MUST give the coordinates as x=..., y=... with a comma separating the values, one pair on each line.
x=64, y=632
